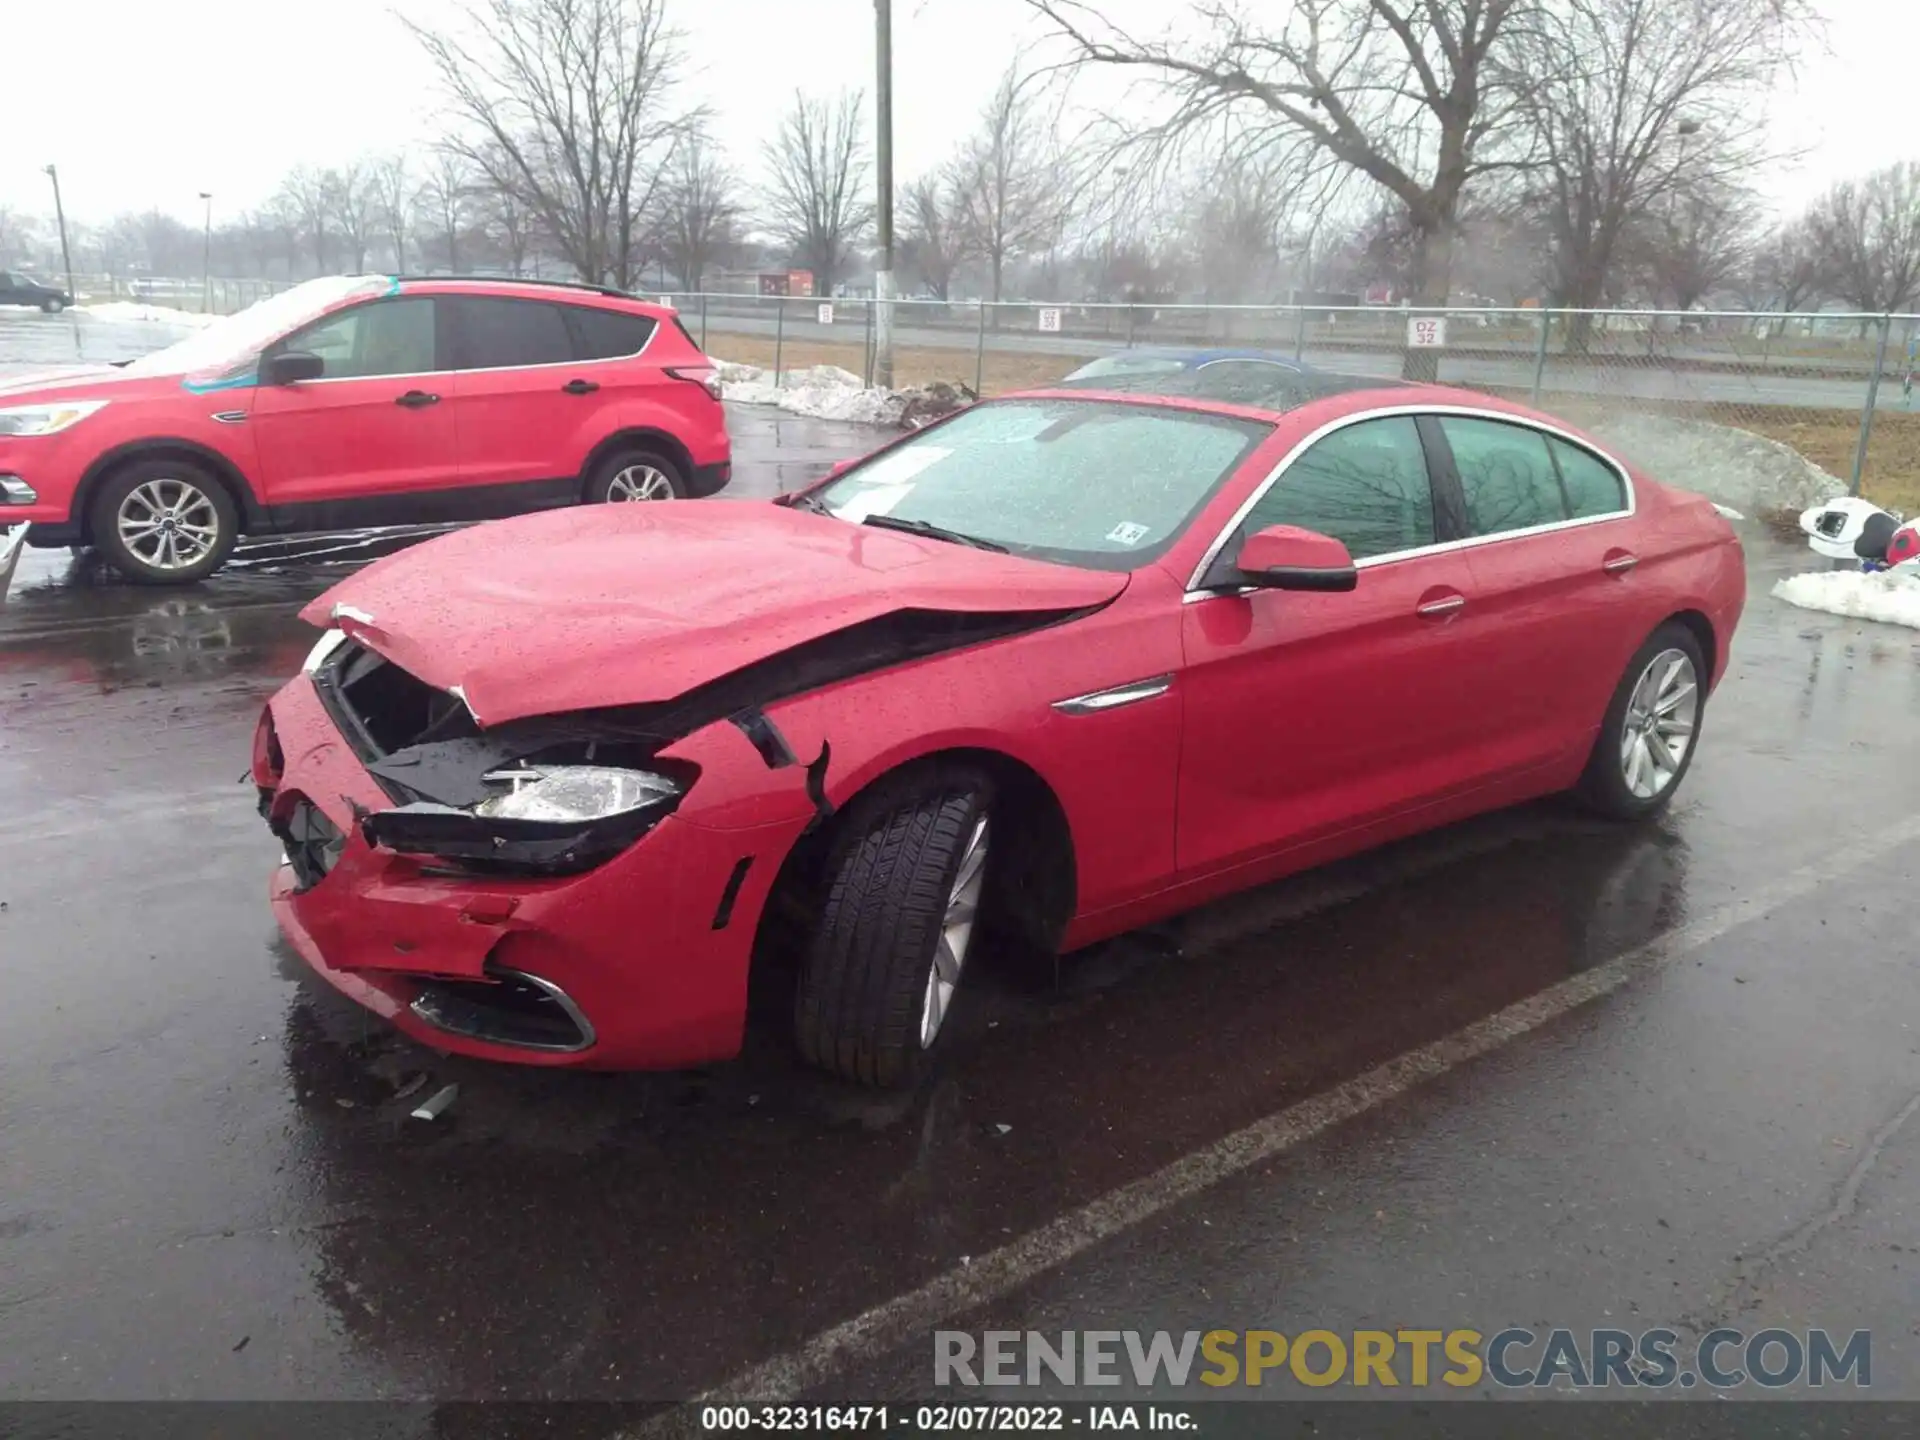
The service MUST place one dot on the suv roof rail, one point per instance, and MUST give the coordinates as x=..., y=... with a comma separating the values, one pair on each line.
x=607, y=290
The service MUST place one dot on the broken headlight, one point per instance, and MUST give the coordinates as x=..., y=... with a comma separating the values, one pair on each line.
x=543, y=819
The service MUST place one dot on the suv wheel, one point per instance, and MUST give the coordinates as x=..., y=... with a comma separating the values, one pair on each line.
x=53, y=305
x=635, y=475
x=164, y=522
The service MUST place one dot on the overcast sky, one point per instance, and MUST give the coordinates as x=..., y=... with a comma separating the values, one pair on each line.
x=145, y=103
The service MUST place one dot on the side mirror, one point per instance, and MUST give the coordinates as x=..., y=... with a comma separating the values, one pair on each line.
x=290, y=366
x=1285, y=557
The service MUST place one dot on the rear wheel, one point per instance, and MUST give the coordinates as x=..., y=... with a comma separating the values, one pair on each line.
x=635, y=475
x=1651, y=729
x=904, y=892
x=164, y=522
x=53, y=305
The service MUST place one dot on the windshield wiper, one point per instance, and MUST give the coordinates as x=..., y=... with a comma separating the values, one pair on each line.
x=931, y=531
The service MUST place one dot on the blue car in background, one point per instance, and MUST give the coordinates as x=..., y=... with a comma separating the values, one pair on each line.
x=1250, y=377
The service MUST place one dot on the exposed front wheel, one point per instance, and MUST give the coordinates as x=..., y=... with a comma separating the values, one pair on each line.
x=635, y=475
x=164, y=522
x=53, y=305
x=904, y=891
x=1651, y=729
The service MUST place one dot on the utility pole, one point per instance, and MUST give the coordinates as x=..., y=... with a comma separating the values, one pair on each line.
x=883, y=157
x=206, y=257
x=60, y=214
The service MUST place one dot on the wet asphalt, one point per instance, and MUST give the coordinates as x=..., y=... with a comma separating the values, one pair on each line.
x=209, y=1186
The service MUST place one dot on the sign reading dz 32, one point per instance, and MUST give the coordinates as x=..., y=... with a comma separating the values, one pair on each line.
x=1426, y=332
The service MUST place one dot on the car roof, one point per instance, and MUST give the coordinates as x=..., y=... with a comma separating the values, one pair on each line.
x=1279, y=385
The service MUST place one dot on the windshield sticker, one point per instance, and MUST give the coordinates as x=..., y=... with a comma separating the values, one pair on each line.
x=1127, y=533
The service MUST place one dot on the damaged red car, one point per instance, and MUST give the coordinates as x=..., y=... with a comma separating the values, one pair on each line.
x=555, y=789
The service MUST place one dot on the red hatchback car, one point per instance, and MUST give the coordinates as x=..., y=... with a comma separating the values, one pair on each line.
x=1058, y=666
x=356, y=400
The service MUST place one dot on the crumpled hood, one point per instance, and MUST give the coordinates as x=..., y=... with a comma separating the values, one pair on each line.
x=633, y=604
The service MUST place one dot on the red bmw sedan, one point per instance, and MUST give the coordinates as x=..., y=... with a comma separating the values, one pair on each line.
x=1063, y=664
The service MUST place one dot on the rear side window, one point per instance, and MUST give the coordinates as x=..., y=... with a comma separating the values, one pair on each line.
x=607, y=334
x=1593, y=486
x=1365, y=485
x=491, y=334
x=1507, y=474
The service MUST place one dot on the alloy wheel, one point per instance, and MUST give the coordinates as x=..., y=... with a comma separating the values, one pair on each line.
x=639, y=482
x=1661, y=718
x=168, y=524
x=956, y=934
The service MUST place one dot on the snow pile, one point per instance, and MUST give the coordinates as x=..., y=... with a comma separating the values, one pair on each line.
x=135, y=310
x=1731, y=466
x=827, y=392
x=1888, y=596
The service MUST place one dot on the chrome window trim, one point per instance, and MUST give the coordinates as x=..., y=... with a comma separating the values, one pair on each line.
x=1196, y=592
x=472, y=370
x=1114, y=696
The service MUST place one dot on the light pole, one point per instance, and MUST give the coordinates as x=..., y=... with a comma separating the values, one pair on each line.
x=883, y=213
x=206, y=257
x=60, y=214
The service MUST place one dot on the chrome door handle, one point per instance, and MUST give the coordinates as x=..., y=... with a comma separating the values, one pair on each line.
x=1619, y=564
x=1442, y=607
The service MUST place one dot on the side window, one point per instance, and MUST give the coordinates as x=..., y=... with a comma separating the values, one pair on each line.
x=386, y=337
x=606, y=334
x=1365, y=485
x=1593, y=486
x=1507, y=474
x=497, y=334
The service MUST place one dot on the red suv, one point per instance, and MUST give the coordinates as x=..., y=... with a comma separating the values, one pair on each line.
x=356, y=400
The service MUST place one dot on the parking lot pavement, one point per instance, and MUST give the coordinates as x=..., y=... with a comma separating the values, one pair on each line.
x=209, y=1186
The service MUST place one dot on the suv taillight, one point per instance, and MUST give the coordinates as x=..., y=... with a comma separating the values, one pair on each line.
x=708, y=380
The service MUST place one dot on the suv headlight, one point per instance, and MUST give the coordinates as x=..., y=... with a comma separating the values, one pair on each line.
x=548, y=819
x=45, y=419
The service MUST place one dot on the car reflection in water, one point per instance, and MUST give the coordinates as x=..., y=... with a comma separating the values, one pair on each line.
x=627, y=1221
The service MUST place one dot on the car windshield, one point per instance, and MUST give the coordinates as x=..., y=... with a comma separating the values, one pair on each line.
x=234, y=338
x=1099, y=484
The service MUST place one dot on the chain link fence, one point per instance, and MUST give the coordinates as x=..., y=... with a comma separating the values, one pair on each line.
x=1752, y=396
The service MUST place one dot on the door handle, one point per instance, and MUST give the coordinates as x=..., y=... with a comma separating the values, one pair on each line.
x=414, y=399
x=1619, y=564
x=1441, y=608
x=580, y=387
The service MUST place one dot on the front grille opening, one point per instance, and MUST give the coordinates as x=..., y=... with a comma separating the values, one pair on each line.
x=313, y=843
x=514, y=1009
x=395, y=709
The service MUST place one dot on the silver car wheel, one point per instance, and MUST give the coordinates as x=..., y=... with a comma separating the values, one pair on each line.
x=639, y=482
x=956, y=934
x=1659, y=726
x=168, y=524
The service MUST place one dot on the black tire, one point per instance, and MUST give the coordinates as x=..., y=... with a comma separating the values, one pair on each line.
x=864, y=980
x=53, y=305
x=1603, y=785
x=606, y=478
x=104, y=528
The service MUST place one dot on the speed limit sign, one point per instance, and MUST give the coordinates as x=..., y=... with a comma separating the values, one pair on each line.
x=1426, y=332
x=826, y=314
x=1050, y=319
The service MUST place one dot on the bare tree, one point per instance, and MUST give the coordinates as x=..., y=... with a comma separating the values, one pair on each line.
x=445, y=198
x=1239, y=212
x=1696, y=245
x=12, y=233
x=1403, y=91
x=1868, y=237
x=1787, y=270
x=569, y=107
x=1628, y=103
x=701, y=206
x=817, y=194
x=933, y=239
x=308, y=203
x=505, y=223
x=1009, y=181
x=354, y=200
x=394, y=195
